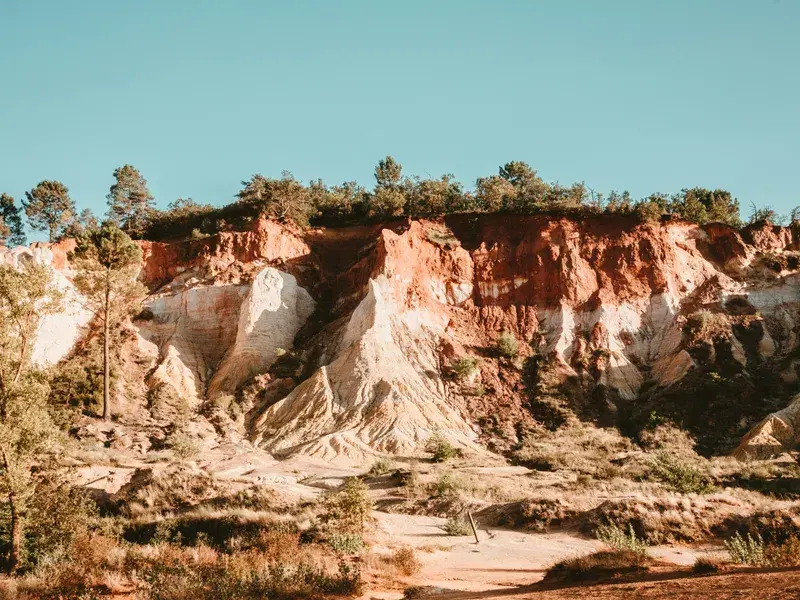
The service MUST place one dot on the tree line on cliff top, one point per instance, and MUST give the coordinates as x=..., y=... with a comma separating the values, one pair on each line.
x=515, y=189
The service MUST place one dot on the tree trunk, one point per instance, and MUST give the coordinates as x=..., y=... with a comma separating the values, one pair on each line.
x=106, y=357
x=106, y=372
x=16, y=534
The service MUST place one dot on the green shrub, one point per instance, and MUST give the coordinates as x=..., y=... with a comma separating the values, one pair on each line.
x=507, y=344
x=747, y=551
x=380, y=467
x=182, y=444
x=457, y=525
x=448, y=486
x=441, y=449
x=619, y=540
x=677, y=475
x=464, y=366
x=784, y=554
x=348, y=510
x=346, y=543
x=753, y=551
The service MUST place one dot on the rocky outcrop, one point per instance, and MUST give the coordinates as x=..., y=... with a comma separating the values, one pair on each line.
x=776, y=434
x=270, y=316
x=213, y=338
x=606, y=297
x=58, y=332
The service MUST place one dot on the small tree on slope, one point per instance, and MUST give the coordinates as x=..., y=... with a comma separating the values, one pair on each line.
x=107, y=262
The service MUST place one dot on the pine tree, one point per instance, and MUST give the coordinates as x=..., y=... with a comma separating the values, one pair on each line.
x=107, y=261
x=12, y=232
x=49, y=208
x=130, y=202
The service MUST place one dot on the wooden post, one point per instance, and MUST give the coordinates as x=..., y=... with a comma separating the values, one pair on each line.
x=474, y=530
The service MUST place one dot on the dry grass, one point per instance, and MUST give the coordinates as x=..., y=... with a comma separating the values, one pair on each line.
x=599, y=565
x=580, y=448
x=406, y=561
x=282, y=569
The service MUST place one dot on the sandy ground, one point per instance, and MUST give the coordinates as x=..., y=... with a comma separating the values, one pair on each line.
x=502, y=561
x=752, y=585
x=504, y=564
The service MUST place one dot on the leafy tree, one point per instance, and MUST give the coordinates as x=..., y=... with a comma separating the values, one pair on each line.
x=493, y=193
x=49, y=208
x=648, y=210
x=701, y=205
x=12, y=232
x=619, y=202
x=130, y=202
x=107, y=262
x=387, y=202
x=26, y=427
x=186, y=207
x=433, y=197
x=338, y=203
x=559, y=196
x=81, y=224
x=517, y=189
x=531, y=192
x=282, y=199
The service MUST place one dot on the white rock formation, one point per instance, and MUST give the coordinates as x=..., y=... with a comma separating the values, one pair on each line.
x=272, y=313
x=382, y=392
x=217, y=336
x=58, y=332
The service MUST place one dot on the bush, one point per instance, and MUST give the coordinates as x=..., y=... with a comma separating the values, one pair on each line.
x=785, y=554
x=179, y=577
x=58, y=514
x=441, y=449
x=746, y=551
x=507, y=344
x=464, y=366
x=599, y=565
x=348, y=510
x=380, y=467
x=346, y=543
x=448, y=486
x=753, y=551
x=705, y=565
x=406, y=561
x=457, y=525
x=182, y=444
x=619, y=540
x=678, y=475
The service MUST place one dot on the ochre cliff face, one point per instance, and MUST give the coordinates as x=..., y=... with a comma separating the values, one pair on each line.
x=225, y=256
x=607, y=298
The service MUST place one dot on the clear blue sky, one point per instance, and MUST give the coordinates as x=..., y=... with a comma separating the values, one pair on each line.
x=643, y=95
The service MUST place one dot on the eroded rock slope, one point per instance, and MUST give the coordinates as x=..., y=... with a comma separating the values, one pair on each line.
x=341, y=343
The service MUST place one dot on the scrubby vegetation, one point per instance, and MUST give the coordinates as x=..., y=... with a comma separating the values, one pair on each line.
x=678, y=475
x=515, y=189
x=440, y=448
x=507, y=344
x=619, y=540
x=599, y=565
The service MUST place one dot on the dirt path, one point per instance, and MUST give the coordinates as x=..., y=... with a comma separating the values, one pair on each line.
x=503, y=561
